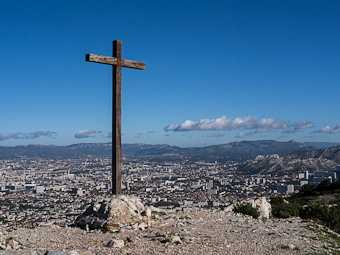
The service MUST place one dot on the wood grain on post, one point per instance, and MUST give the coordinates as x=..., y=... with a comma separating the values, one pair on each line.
x=117, y=120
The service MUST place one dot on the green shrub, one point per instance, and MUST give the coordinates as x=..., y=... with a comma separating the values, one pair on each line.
x=283, y=209
x=247, y=209
x=323, y=213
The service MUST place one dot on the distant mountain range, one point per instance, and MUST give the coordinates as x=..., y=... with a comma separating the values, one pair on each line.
x=321, y=145
x=238, y=151
x=57, y=152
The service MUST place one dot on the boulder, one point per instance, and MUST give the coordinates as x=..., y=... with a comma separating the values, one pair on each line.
x=112, y=213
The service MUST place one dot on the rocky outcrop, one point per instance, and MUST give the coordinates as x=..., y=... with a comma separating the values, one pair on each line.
x=113, y=213
x=263, y=206
x=314, y=160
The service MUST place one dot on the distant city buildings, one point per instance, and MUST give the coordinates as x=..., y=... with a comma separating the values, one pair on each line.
x=286, y=189
x=305, y=178
x=37, y=191
x=320, y=176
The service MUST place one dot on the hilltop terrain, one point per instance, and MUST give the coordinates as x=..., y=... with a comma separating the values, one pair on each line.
x=193, y=232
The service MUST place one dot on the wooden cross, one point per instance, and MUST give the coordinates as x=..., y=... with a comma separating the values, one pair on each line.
x=117, y=63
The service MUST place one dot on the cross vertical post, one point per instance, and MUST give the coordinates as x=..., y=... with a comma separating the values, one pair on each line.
x=117, y=63
x=117, y=119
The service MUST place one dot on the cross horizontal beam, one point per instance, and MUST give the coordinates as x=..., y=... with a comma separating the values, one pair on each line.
x=113, y=61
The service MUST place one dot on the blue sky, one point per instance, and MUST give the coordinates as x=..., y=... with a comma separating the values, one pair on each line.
x=217, y=71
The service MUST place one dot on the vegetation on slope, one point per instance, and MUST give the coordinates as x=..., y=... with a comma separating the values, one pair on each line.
x=319, y=203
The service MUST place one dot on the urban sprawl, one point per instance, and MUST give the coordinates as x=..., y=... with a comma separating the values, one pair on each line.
x=37, y=192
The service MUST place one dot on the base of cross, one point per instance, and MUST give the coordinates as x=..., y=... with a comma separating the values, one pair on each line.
x=114, y=213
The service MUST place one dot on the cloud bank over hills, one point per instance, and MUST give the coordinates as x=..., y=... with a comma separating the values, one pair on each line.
x=251, y=123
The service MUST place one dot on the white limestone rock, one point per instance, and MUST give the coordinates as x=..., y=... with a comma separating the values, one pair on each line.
x=291, y=246
x=148, y=212
x=264, y=207
x=112, y=213
x=142, y=226
x=114, y=243
x=175, y=239
x=229, y=208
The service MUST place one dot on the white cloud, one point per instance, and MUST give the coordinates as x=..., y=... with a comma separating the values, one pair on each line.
x=28, y=135
x=241, y=123
x=37, y=134
x=329, y=129
x=85, y=133
x=297, y=126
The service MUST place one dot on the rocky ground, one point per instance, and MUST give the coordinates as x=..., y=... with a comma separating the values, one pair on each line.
x=191, y=232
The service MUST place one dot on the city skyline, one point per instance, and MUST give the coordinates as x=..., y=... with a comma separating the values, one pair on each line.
x=215, y=73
